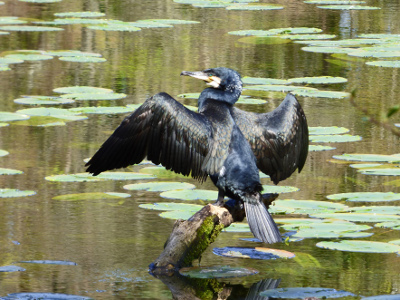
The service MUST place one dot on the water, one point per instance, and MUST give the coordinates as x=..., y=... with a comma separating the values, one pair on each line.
x=113, y=242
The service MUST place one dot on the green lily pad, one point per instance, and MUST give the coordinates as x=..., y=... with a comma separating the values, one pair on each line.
x=349, y=7
x=11, y=21
x=83, y=177
x=368, y=157
x=254, y=253
x=390, y=210
x=307, y=36
x=252, y=32
x=360, y=246
x=395, y=242
x=173, y=21
x=335, y=138
x=29, y=28
x=91, y=196
x=330, y=50
x=237, y=227
x=334, y=2
x=277, y=88
x=358, y=217
x=94, y=96
x=320, y=148
x=43, y=100
x=383, y=297
x=72, y=21
x=122, y=26
x=49, y=296
x=47, y=121
x=80, y=14
x=376, y=54
x=102, y=110
x=263, y=81
x=310, y=206
x=50, y=262
x=6, y=193
x=318, y=80
x=159, y=186
x=217, y=272
x=250, y=101
x=177, y=214
x=161, y=172
x=3, y=153
x=11, y=269
x=65, y=53
x=320, y=94
x=85, y=59
x=381, y=172
x=327, y=130
x=81, y=89
x=362, y=166
x=59, y=113
x=385, y=63
x=304, y=292
x=168, y=206
x=4, y=68
x=195, y=194
x=4, y=171
x=254, y=7
x=295, y=30
x=10, y=60
x=263, y=40
x=365, y=196
x=274, y=189
x=393, y=225
x=9, y=117
x=30, y=57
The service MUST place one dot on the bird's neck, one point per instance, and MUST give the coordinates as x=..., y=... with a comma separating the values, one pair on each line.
x=227, y=96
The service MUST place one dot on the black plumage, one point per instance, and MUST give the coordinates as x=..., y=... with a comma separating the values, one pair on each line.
x=220, y=141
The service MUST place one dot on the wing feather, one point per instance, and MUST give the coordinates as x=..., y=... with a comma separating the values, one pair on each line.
x=279, y=139
x=163, y=130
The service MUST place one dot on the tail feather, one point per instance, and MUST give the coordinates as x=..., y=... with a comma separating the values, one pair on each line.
x=261, y=223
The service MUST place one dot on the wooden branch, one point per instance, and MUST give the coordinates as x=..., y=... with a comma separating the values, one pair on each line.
x=190, y=238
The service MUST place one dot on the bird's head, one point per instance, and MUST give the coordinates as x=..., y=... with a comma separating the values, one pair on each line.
x=226, y=83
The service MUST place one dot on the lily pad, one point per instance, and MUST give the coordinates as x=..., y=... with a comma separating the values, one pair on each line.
x=320, y=148
x=277, y=88
x=318, y=80
x=307, y=36
x=262, y=81
x=72, y=21
x=81, y=89
x=254, y=253
x=217, y=272
x=173, y=21
x=65, y=53
x=52, y=112
x=263, y=40
x=171, y=206
x=10, y=60
x=385, y=63
x=50, y=262
x=11, y=21
x=85, y=59
x=4, y=171
x=9, y=117
x=29, y=28
x=274, y=189
x=177, y=214
x=237, y=227
x=390, y=210
x=91, y=196
x=349, y=7
x=358, y=217
x=102, y=110
x=94, y=96
x=250, y=101
x=44, y=296
x=6, y=193
x=368, y=157
x=30, y=57
x=360, y=246
x=83, y=177
x=395, y=242
x=254, y=7
x=330, y=50
x=123, y=26
x=304, y=292
x=393, y=225
x=3, y=153
x=80, y=14
x=196, y=194
x=295, y=30
x=310, y=206
x=334, y=2
x=335, y=138
x=365, y=196
x=381, y=172
x=159, y=186
x=320, y=94
x=383, y=297
x=252, y=32
x=11, y=269
x=161, y=172
x=327, y=130
x=43, y=100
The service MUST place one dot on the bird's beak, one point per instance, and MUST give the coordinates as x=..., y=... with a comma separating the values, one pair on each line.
x=213, y=81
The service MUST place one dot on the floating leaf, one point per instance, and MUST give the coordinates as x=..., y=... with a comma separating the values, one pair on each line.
x=310, y=206
x=3, y=153
x=361, y=166
x=263, y=40
x=4, y=171
x=29, y=28
x=10, y=60
x=11, y=21
x=65, y=53
x=335, y=2
x=72, y=21
x=390, y=210
x=102, y=110
x=177, y=214
x=249, y=101
x=52, y=112
x=123, y=26
x=368, y=157
x=43, y=100
x=255, y=7
x=29, y=57
x=307, y=36
x=6, y=193
x=335, y=138
x=161, y=172
x=320, y=94
x=385, y=63
x=381, y=172
x=254, y=253
x=318, y=80
x=358, y=217
x=252, y=33
x=383, y=297
x=263, y=81
x=172, y=21
x=393, y=225
x=320, y=148
x=217, y=272
x=81, y=14
x=4, y=68
x=50, y=262
x=330, y=50
x=274, y=189
x=168, y=206
x=81, y=89
x=159, y=186
x=348, y=7
x=295, y=30
x=237, y=227
x=304, y=292
x=276, y=87
x=94, y=96
x=11, y=269
x=195, y=194
x=85, y=59
x=360, y=246
x=91, y=196
x=327, y=130
x=9, y=117
x=83, y=177
x=365, y=196
x=44, y=296
x=395, y=242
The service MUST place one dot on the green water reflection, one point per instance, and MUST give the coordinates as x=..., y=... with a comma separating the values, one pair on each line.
x=113, y=241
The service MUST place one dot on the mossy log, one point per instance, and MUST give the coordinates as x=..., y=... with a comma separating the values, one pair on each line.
x=190, y=238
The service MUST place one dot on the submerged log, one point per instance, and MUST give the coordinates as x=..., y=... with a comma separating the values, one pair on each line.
x=190, y=238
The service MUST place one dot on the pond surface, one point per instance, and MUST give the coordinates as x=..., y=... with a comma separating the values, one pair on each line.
x=100, y=247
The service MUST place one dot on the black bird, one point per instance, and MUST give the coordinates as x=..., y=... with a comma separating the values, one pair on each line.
x=220, y=141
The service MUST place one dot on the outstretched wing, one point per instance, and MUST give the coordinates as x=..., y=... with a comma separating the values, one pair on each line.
x=163, y=130
x=279, y=139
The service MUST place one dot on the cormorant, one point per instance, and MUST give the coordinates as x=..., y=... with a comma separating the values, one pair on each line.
x=220, y=141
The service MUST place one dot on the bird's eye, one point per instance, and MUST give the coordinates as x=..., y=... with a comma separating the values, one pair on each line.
x=210, y=75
